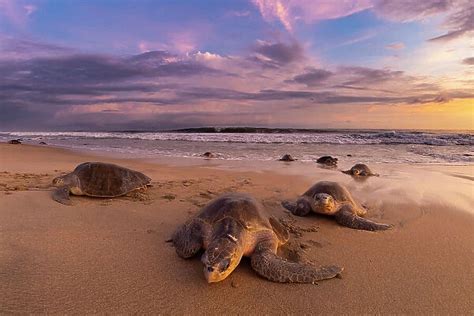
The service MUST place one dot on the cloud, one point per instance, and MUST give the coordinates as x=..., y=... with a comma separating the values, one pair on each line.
x=367, y=76
x=410, y=10
x=289, y=11
x=396, y=46
x=468, y=61
x=18, y=49
x=207, y=57
x=278, y=54
x=458, y=23
x=311, y=77
x=43, y=86
x=359, y=38
x=459, y=14
x=459, y=20
x=274, y=10
x=86, y=91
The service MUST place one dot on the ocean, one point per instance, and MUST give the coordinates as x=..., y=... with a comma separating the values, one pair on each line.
x=261, y=144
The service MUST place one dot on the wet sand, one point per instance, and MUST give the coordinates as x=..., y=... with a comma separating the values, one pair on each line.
x=110, y=255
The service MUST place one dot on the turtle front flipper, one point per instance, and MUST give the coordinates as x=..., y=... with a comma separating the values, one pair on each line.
x=188, y=239
x=301, y=207
x=290, y=206
x=346, y=217
x=61, y=195
x=267, y=264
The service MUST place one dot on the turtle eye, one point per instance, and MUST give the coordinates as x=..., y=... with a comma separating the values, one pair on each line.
x=224, y=265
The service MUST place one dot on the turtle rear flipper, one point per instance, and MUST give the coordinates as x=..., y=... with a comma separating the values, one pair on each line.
x=61, y=195
x=346, y=218
x=267, y=264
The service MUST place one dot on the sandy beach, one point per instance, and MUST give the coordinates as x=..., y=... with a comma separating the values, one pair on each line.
x=111, y=255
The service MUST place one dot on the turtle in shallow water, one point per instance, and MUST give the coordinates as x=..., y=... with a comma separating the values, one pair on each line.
x=333, y=199
x=209, y=155
x=98, y=179
x=287, y=157
x=236, y=225
x=327, y=161
x=360, y=170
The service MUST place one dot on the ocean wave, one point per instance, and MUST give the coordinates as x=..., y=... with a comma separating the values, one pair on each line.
x=340, y=138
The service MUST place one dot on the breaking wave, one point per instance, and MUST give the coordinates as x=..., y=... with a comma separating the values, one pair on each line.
x=269, y=136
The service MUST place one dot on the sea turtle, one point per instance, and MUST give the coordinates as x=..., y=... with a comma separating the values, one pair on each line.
x=98, y=179
x=333, y=199
x=287, y=157
x=360, y=170
x=236, y=225
x=327, y=160
x=209, y=155
x=14, y=142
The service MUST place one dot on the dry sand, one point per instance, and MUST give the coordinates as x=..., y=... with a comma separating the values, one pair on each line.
x=110, y=255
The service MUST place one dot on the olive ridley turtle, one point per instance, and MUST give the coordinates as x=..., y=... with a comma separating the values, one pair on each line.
x=98, y=179
x=331, y=198
x=236, y=225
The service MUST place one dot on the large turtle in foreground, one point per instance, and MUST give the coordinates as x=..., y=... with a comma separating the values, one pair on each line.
x=236, y=225
x=98, y=179
x=331, y=198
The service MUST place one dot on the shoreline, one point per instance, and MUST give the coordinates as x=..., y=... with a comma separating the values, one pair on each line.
x=110, y=255
x=444, y=149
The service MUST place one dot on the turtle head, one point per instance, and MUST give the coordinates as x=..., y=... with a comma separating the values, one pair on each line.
x=324, y=204
x=68, y=179
x=58, y=181
x=356, y=172
x=221, y=258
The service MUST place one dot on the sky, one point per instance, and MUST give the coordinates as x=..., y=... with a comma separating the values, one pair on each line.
x=152, y=65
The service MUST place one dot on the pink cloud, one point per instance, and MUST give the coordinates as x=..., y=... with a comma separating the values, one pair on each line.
x=458, y=20
x=289, y=11
x=275, y=10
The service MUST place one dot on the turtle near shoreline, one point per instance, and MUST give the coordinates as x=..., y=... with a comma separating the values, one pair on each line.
x=333, y=199
x=360, y=170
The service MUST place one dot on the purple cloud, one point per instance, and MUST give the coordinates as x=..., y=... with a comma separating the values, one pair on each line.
x=278, y=54
x=364, y=75
x=311, y=77
x=83, y=90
